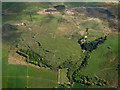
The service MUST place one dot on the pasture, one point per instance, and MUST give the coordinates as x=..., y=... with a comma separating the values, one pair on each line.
x=103, y=61
x=59, y=35
x=63, y=76
x=41, y=78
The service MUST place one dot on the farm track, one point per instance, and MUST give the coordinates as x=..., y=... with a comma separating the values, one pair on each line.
x=58, y=75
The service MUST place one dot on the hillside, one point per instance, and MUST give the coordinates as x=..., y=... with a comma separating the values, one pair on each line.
x=35, y=51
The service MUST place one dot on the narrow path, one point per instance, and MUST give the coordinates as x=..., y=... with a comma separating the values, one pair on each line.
x=58, y=75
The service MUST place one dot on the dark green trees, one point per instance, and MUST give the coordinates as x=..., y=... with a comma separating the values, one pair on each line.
x=59, y=7
x=39, y=43
x=86, y=29
x=74, y=68
x=90, y=46
x=34, y=58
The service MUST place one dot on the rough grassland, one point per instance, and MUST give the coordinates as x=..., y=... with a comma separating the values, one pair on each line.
x=60, y=39
x=103, y=61
x=63, y=76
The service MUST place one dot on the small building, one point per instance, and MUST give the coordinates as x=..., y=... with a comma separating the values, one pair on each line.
x=85, y=36
x=21, y=24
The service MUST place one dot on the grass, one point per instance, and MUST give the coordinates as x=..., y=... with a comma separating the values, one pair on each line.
x=92, y=24
x=63, y=76
x=23, y=7
x=4, y=59
x=11, y=82
x=6, y=5
x=14, y=82
x=4, y=82
x=101, y=60
x=48, y=74
x=41, y=78
x=21, y=82
x=78, y=85
x=85, y=4
x=11, y=70
x=17, y=70
x=64, y=46
x=41, y=83
x=60, y=43
x=14, y=76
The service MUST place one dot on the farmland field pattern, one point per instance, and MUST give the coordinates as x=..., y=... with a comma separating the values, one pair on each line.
x=60, y=45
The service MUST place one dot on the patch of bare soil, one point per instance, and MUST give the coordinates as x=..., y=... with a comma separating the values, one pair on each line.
x=97, y=19
x=40, y=12
x=48, y=11
x=52, y=35
x=62, y=30
x=81, y=33
x=16, y=59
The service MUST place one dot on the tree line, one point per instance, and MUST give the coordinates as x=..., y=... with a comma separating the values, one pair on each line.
x=90, y=46
x=34, y=58
x=74, y=73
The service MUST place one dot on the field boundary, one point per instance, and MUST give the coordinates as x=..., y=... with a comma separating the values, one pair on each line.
x=58, y=76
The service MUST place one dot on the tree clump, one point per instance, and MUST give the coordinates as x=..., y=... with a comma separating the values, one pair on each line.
x=90, y=46
x=74, y=68
x=34, y=58
x=60, y=7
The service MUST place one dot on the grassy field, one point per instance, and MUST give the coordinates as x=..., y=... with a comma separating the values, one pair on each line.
x=20, y=72
x=14, y=82
x=85, y=4
x=103, y=61
x=15, y=76
x=63, y=76
x=78, y=85
x=41, y=83
x=59, y=46
x=41, y=78
x=60, y=38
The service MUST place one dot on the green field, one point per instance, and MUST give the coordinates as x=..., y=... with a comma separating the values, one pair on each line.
x=41, y=78
x=103, y=61
x=15, y=76
x=58, y=33
x=78, y=85
x=87, y=4
x=63, y=76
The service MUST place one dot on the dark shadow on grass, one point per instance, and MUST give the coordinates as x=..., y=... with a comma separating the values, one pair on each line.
x=9, y=34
